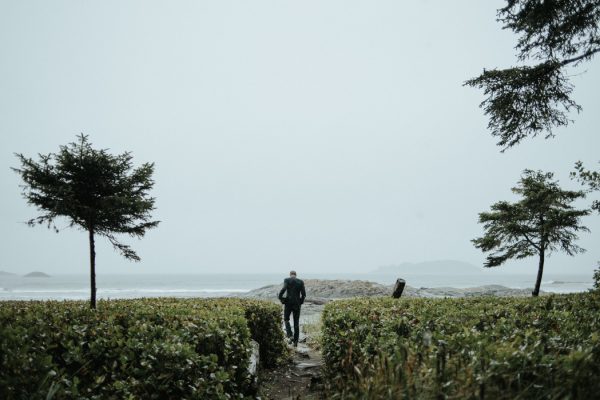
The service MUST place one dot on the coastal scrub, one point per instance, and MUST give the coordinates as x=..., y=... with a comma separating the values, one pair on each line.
x=485, y=348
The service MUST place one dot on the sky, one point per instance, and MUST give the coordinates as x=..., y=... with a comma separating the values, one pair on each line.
x=327, y=136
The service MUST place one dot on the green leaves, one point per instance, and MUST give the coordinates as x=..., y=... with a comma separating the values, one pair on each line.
x=588, y=178
x=553, y=29
x=541, y=222
x=530, y=99
x=95, y=191
x=92, y=189
x=463, y=348
x=525, y=101
x=149, y=348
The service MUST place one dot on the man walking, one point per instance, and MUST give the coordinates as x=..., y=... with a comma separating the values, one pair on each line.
x=294, y=299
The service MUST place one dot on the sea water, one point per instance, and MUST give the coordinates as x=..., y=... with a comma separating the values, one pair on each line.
x=61, y=287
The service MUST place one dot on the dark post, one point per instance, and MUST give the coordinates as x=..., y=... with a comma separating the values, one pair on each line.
x=92, y=269
x=398, y=288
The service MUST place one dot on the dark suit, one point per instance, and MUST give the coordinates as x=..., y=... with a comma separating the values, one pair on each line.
x=294, y=299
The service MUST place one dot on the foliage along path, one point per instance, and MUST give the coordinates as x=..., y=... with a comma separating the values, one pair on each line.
x=300, y=379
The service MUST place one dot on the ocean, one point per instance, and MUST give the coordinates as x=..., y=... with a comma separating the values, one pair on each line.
x=62, y=287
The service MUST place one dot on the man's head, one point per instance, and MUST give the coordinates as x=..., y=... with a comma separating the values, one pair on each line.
x=292, y=274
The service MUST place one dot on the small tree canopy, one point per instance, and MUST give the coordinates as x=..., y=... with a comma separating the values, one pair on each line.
x=588, y=178
x=94, y=190
x=541, y=222
x=528, y=100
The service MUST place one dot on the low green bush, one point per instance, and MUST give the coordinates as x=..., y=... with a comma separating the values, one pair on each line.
x=146, y=349
x=496, y=348
x=264, y=321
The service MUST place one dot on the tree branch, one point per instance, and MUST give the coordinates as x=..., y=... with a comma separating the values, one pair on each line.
x=536, y=246
x=587, y=54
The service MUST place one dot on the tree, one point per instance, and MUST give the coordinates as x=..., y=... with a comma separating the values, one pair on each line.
x=591, y=179
x=97, y=192
x=530, y=99
x=588, y=178
x=541, y=222
x=597, y=278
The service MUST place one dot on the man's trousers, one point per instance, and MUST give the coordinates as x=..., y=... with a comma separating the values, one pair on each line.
x=294, y=310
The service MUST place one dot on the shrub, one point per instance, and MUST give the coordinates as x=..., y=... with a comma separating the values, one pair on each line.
x=544, y=347
x=148, y=348
x=264, y=321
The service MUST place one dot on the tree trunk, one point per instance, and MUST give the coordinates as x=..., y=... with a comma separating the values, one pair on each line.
x=538, y=281
x=92, y=268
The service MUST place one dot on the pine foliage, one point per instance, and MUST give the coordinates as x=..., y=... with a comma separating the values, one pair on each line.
x=541, y=222
x=94, y=190
x=531, y=99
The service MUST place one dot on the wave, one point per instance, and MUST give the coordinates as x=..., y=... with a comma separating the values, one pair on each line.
x=131, y=290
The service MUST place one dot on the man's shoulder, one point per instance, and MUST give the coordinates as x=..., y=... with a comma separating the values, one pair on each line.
x=296, y=281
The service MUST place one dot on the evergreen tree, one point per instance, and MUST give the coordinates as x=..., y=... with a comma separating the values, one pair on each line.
x=591, y=179
x=97, y=192
x=588, y=178
x=530, y=99
x=541, y=222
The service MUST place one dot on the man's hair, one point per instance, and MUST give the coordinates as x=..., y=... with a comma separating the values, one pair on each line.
x=292, y=272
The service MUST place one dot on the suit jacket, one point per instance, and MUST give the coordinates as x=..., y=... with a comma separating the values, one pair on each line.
x=295, y=292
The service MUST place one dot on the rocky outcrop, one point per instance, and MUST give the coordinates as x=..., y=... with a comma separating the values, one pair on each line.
x=487, y=290
x=320, y=291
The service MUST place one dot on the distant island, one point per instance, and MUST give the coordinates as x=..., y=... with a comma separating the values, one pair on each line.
x=36, y=274
x=441, y=267
x=4, y=273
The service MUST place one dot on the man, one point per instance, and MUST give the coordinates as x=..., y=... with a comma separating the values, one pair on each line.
x=294, y=299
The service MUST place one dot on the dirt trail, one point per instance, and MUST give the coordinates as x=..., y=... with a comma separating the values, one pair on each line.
x=298, y=380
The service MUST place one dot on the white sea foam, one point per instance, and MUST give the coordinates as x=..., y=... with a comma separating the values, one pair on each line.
x=167, y=291
x=61, y=287
x=125, y=290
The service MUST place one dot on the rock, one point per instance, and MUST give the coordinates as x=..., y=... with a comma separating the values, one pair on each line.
x=254, y=358
x=316, y=301
x=316, y=382
x=307, y=365
x=487, y=290
x=321, y=291
x=302, y=351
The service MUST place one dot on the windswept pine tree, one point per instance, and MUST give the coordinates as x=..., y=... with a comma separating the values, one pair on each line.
x=541, y=222
x=533, y=98
x=95, y=191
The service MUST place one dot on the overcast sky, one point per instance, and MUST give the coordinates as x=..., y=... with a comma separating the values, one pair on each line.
x=321, y=135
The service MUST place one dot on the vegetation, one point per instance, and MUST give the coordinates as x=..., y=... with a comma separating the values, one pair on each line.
x=530, y=99
x=96, y=191
x=149, y=348
x=541, y=222
x=597, y=278
x=313, y=331
x=590, y=179
x=264, y=320
x=484, y=347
